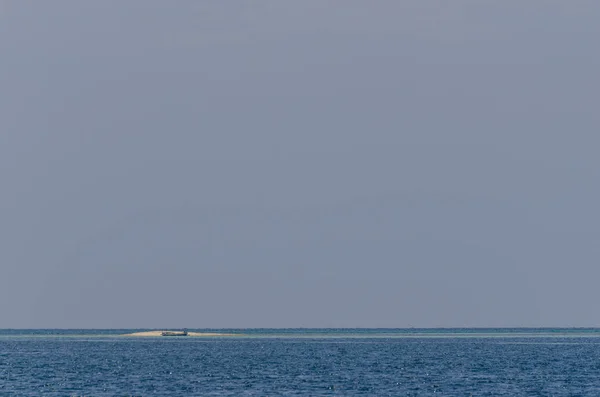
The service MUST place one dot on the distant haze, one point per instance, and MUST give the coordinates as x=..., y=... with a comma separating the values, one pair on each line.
x=299, y=164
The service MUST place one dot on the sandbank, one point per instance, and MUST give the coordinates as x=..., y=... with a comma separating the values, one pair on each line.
x=159, y=333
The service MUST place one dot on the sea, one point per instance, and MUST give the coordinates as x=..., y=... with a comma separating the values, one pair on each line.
x=303, y=362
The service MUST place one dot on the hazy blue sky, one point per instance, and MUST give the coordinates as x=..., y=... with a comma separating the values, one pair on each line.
x=299, y=164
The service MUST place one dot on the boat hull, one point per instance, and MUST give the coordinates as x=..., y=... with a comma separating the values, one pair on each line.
x=171, y=333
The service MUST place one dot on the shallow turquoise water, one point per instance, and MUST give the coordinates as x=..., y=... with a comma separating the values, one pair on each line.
x=454, y=362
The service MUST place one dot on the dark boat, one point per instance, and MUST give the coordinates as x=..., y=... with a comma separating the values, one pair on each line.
x=175, y=333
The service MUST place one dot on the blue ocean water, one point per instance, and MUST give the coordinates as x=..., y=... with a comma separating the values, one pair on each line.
x=301, y=362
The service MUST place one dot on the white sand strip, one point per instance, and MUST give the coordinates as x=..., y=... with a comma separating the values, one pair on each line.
x=159, y=333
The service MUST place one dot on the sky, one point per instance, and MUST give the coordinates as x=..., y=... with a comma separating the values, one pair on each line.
x=299, y=164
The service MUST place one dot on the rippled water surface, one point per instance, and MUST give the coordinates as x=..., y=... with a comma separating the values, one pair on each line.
x=302, y=362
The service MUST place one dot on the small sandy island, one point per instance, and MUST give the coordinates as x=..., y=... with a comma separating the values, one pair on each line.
x=159, y=333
